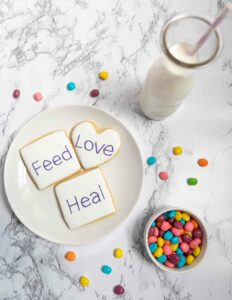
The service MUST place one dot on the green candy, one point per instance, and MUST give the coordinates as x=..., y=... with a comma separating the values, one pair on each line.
x=192, y=181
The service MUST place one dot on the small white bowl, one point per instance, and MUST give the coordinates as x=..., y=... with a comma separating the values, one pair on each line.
x=203, y=245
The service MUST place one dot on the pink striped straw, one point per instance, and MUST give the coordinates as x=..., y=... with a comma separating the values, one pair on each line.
x=215, y=24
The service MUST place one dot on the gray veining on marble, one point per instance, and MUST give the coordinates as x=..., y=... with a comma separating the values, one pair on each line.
x=43, y=45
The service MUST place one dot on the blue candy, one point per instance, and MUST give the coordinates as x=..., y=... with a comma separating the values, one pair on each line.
x=162, y=259
x=171, y=214
x=151, y=160
x=106, y=269
x=153, y=247
x=175, y=240
x=168, y=235
x=182, y=261
x=71, y=86
x=153, y=224
x=179, y=251
x=182, y=221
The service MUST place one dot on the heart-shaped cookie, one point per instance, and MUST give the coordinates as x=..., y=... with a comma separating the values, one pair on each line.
x=94, y=146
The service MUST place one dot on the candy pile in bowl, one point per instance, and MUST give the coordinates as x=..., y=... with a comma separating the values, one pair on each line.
x=175, y=239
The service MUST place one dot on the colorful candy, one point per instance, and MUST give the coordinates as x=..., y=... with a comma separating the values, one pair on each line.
x=94, y=93
x=103, y=75
x=106, y=269
x=119, y=290
x=16, y=94
x=175, y=239
x=202, y=162
x=163, y=175
x=192, y=181
x=38, y=96
x=71, y=86
x=151, y=160
x=84, y=281
x=70, y=255
x=118, y=253
x=177, y=150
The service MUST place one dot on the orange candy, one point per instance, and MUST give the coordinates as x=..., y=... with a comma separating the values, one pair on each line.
x=166, y=242
x=158, y=224
x=195, y=224
x=70, y=255
x=202, y=162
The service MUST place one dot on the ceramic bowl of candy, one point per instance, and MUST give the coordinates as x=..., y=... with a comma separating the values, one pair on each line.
x=175, y=239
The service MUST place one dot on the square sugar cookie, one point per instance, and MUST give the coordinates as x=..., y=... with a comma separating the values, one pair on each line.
x=84, y=198
x=50, y=159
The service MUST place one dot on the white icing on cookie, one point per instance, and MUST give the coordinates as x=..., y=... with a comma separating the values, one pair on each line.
x=93, y=148
x=84, y=198
x=50, y=159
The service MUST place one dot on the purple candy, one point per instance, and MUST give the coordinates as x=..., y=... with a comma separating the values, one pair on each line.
x=178, y=225
x=119, y=290
x=186, y=238
x=189, y=252
x=151, y=231
x=16, y=93
x=161, y=232
x=170, y=220
x=197, y=234
x=174, y=258
x=161, y=218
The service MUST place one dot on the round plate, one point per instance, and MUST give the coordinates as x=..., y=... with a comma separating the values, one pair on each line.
x=39, y=210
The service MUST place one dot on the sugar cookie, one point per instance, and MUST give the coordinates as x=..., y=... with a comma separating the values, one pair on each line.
x=50, y=158
x=94, y=146
x=84, y=198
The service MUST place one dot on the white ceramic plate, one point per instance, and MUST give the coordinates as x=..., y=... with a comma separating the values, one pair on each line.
x=39, y=211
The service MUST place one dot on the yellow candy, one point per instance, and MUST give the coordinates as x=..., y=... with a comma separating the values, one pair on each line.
x=160, y=242
x=174, y=247
x=158, y=252
x=84, y=281
x=178, y=216
x=118, y=253
x=188, y=232
x=185, y=217
x=189, y=259
x=196, y=251
x=103, y=75
x=177, y=150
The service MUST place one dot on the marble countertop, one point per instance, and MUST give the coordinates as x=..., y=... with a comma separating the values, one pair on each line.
x=45, y=44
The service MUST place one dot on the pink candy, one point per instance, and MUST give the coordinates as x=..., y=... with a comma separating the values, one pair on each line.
x=169, y=264
x=176, y=231
x=156, y=231
x=165, y=226
x=189, y=226
x=38, y=96
x=167, y=250
x=184, y=247
x=193, y=244
x=152, y=239
x=163, y=175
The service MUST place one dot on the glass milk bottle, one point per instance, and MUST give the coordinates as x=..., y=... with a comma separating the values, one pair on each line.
x=171, y=77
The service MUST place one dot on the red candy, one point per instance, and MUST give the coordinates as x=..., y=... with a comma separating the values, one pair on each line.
x=170, y=221
x=119, y=290
x=151, y=231
x=94, y=93
x=197, y=234
x=186, y=238
x=161, y=218
x=16, y=93
x=178, y=224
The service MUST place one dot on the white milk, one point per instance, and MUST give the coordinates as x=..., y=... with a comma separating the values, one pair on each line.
x=167, y=84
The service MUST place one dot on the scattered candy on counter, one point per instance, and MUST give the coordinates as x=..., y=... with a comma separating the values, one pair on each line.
x=106, y=269
x=84, y=281
x=163, y=175
x=94, y=93
x=151, y=160
x=38, y=96
x=71, y=86
x=175, y=239
x=103, y=75
x=119, y=290
x=16, y=94
x=70, y=255
x=202, y=162
x=118, y=253
x=192, y=181
x=177, y=150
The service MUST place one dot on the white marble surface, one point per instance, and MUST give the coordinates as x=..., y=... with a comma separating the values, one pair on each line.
x=43, y=45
